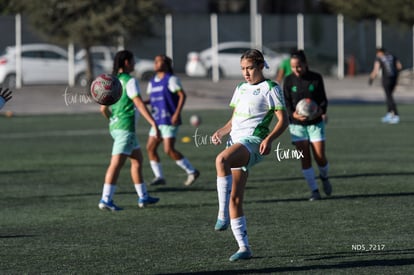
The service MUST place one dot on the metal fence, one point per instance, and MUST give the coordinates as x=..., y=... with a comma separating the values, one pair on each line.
x=192, y=32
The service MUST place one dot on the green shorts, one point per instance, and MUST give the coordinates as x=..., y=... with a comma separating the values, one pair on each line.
x=124, y=142
x=312, y=133
x=167, y=131
x=252, y=144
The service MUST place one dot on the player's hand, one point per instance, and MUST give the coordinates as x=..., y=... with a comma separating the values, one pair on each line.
x=175, y=119
x=216, y=138
x=299, y=117
x=157, y=132
x=370, y=81
x=265, y=147
x=6, y=94
x=325, y=118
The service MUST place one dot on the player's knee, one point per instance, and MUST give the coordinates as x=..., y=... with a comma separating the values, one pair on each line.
x=220, y=161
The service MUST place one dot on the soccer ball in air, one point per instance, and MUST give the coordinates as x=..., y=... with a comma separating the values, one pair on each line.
x=195, y=120
x=307, y=107
x=106, y=89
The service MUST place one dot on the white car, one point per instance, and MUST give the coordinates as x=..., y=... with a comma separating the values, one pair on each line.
x=229, y=53
x=104, y=56
x=41, y=64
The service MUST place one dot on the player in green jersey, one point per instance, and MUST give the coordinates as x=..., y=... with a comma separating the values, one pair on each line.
x=122, y=120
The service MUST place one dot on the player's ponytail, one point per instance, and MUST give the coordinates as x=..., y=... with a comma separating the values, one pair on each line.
x=119, y=60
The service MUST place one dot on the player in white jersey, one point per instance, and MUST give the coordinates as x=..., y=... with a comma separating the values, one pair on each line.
x=254, y=104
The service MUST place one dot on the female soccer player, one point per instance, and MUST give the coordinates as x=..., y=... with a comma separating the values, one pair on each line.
x=167, y=99
x=254, y=103
x=391, y=67
x=121, y=117
x=308, y=134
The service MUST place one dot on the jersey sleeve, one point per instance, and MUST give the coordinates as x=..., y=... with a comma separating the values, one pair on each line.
x=174, y=84
x=275, y=97
x=132, y=88
x=149, y=88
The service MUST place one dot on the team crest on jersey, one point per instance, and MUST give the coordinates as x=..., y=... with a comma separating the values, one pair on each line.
x=311, y=88
x=256, y=92
x=294, y=89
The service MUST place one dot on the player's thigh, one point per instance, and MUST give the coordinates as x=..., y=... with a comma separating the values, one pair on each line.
x=136, y=157
x=236, y=155
x=153, y=142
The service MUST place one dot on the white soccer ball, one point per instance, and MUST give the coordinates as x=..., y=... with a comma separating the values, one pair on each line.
x=195, y=120
x=106, y=89
x=307, y=107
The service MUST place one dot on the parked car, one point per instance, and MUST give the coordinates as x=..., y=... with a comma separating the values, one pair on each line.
x=41, y=64
x=199, y=64
x=104, y=56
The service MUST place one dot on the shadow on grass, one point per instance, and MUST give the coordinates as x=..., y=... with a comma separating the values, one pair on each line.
x=333, y=197
x=332, y=266
x=15, y=236
x=350, y=176
x=19, y=172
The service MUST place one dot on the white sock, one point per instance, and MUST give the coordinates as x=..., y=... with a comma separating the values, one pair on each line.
x=108, y=192
x=239, y=228
x=141, y=189
x=185, y=165
x=223, y=192
x=323, y=171
x=156, y=169
x=309, y=175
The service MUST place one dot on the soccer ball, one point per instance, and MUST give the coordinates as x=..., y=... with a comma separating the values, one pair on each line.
x=106, y=89
x=307, y=107
x=195, y=120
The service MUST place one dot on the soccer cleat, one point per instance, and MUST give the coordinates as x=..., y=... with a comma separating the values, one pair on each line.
x=315, y=196
x=387, y=118
x=158, y=181
x=327, y=187
x=221, y=225
x=142, y=202
x=394, y=120
x=241, y=255
x=103, y=205
x=192, y=177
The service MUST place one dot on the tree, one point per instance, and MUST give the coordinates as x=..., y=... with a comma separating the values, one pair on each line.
x=87, y=22
x=394, y=12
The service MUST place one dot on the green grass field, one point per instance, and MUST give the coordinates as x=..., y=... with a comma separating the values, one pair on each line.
x=51, y=176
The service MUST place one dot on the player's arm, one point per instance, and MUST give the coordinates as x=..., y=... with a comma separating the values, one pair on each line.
x=143, y=110
x=220, y=133
x=280, y=127
x=279, y=75
x=374, y=72
x=181, y=100
x=133, y=93
x=105, y=111
x=175, y=86
x=398, y=65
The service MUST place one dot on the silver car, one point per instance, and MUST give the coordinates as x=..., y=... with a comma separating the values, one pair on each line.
x=199, y=64
x=104, y=56
x=41, y=64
